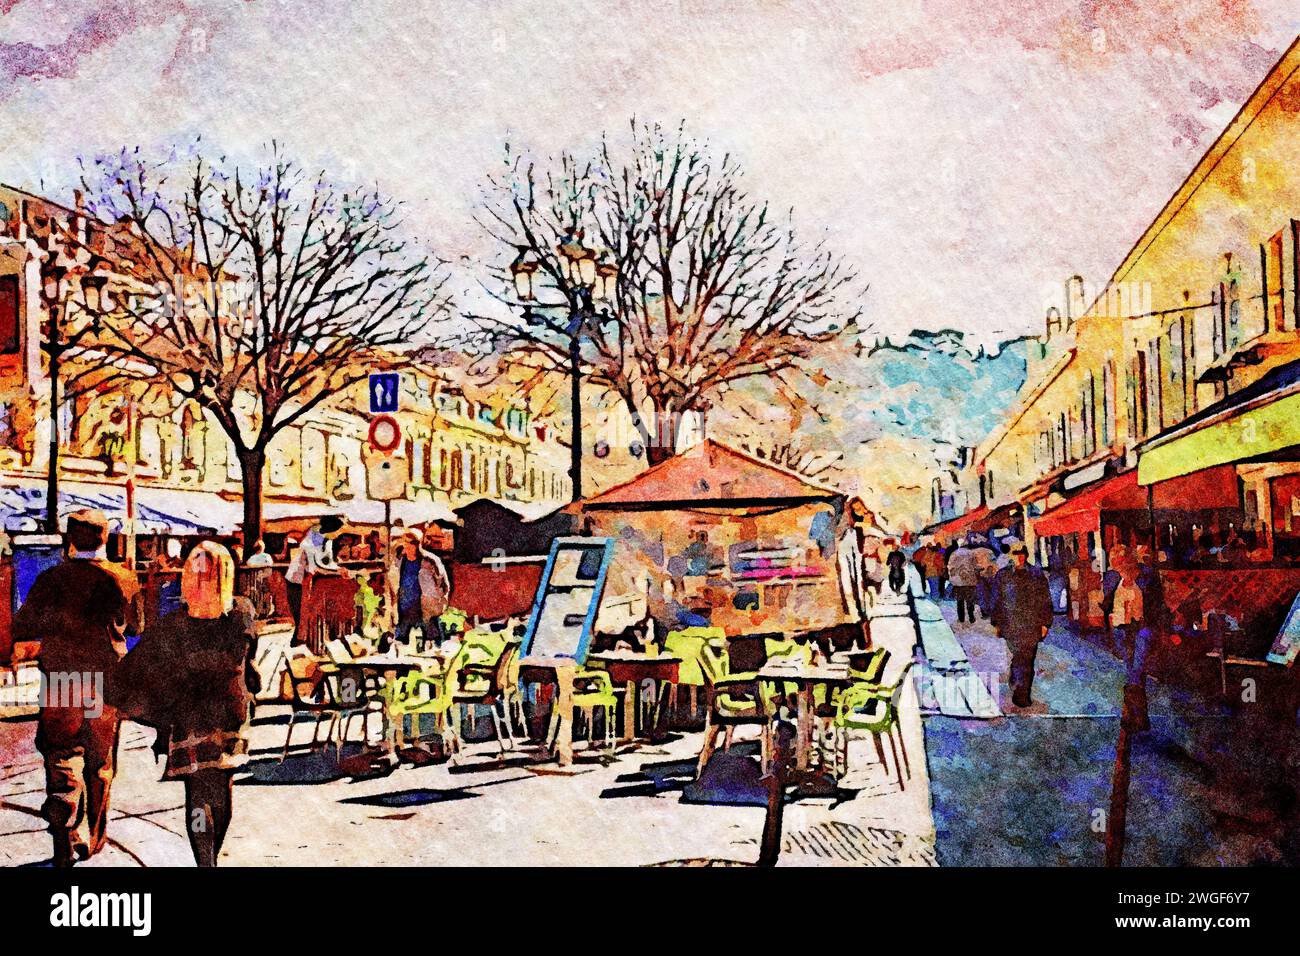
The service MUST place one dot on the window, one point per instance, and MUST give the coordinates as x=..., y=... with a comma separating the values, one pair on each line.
x=1139, y=396
x=1274, y=290
x=1156, y=387
x=8, y=315
x=1108, y=404
x=312, y=448
x=457, y=470
x=1088, y=416
x=426, y=462
x=1177, y=365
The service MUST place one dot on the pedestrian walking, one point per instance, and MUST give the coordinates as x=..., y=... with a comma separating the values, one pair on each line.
x=192, y=676
x=435, y=586
x=931, y=563
x=1022, y=614
x=1117, y=558
x=987, y=567
x=848, y=555
x=315, y=555
x=963, y=572
x=81, y=611
x=1145, y=618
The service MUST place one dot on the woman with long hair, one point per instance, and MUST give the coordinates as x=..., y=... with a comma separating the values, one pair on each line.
x=196, y=665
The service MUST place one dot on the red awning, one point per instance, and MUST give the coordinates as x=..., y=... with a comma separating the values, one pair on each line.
x=959, y=525
x=1215, y=487
x=1083, y=512
x=1212, y=488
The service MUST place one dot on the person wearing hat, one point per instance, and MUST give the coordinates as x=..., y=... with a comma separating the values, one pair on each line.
x=1022, y=614
x=81, y=611
x=315, y=555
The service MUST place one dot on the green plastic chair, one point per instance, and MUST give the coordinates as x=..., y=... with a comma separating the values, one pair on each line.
x=592, y=691
x=489, y=677
x=873, y=708
x=419, y=694
x=688, y=645
x=732, y=699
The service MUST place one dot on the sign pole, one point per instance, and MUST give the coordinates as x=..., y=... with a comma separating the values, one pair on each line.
x=388, y=564
x=132, y=450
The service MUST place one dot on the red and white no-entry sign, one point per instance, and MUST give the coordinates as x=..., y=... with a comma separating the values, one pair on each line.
x=385, y=433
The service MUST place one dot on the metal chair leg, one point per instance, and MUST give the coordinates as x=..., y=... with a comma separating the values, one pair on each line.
x=898, y=729
x=898, y=767
x=293, y=715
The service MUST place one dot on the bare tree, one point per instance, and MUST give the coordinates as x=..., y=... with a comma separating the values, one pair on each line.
x=256, y=293
x=713, y=288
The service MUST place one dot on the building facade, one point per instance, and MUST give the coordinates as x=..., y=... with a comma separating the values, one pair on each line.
x=461, y=443
x=1154, y=417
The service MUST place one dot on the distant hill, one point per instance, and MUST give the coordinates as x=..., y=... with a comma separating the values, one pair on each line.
x=936, y=389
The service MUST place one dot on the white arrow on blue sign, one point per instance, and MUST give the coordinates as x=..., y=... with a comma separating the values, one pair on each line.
x=383, y=392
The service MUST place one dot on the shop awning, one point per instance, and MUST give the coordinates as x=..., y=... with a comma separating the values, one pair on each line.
x=1003, y=516
x=1082, y=512
x=959, y=525
x=158, y=510
x=1257, y=421
x=1210, y=488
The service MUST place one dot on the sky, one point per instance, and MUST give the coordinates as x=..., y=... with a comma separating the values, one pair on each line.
x=965, y=157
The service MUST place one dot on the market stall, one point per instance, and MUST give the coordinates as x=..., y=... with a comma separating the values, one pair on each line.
x=716, y=536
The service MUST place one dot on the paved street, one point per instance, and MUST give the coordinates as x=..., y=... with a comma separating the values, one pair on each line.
x=635, y=810
x=1027, y=789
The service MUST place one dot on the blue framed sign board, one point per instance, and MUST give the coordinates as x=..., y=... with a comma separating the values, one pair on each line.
x=568, y=597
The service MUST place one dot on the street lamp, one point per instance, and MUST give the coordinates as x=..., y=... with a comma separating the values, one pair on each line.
x=586, y=280
x=55, y=288
x=522, y=271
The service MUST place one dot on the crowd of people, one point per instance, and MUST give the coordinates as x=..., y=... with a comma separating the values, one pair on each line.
x=995, y=580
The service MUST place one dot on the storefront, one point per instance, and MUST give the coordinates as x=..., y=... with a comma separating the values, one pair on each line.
x=1240, y=564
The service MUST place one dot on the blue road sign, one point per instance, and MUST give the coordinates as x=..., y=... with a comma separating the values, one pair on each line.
x=383, y=392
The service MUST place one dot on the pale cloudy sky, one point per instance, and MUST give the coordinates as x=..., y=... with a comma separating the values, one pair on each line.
x=966, y=156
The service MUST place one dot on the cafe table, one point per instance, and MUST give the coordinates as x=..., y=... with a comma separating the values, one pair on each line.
x=561, y=671
x=806, y=677
x=631, y=669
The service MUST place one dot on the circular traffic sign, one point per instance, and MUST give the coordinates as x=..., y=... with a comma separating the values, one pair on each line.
x=385, y=433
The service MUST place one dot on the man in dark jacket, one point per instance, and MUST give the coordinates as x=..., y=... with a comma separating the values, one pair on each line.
x=80, y=611
x=1022, y=614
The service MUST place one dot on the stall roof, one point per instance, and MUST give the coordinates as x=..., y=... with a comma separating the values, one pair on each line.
x=162, y=510
x=709, y=473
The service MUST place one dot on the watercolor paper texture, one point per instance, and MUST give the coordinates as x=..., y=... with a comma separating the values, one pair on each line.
x=668, y=433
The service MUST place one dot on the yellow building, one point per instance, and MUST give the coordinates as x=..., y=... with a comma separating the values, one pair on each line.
x=1171, y=368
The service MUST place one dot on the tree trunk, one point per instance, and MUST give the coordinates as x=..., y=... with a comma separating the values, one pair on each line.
x=252, y=463
x=663, y=436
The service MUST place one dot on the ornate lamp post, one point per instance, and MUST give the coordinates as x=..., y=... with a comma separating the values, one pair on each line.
x=586, y=280
x=56, y=287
